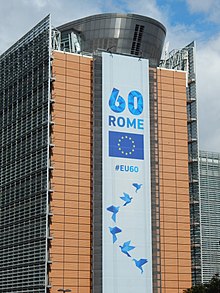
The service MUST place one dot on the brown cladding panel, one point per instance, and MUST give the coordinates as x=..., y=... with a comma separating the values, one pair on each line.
x=174, y=185
x=70, y=249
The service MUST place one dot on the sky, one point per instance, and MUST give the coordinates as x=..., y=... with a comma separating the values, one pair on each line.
x=185, y=20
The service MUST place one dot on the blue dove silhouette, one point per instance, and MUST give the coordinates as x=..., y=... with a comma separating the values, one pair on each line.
x=114, y=231
x=139, y=263
x=114, y=210
x=126, y=247
x=126, y=198
x=137, y=186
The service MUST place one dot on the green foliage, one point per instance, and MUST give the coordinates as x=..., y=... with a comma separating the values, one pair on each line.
x=212, y=287
x=196, y=289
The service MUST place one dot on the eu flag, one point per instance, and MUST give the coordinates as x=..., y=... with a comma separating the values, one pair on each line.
x=126, y=145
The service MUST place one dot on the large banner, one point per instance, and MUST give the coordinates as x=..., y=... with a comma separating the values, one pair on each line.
x=127, y=244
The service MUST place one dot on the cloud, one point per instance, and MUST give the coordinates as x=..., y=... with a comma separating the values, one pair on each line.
x=208, y=89
x=211, y=8
x=200, y=6
x=148, y=8
x=18, y=17
x=181, y=35
x=36, y=3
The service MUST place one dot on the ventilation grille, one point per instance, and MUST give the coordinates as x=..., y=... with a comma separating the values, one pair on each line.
x=136, y=44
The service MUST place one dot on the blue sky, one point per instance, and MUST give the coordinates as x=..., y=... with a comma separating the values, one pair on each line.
x=185, y=20
x=180, y=13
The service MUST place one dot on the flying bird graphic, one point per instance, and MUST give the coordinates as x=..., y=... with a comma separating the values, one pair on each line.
x=139, y=263
x=137, y=186
x=114, y=231
x=126, y=198
x=114, y=210
x=126, y=247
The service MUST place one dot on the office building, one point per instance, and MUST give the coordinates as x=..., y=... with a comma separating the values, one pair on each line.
x=94, y=151
x=209, y=198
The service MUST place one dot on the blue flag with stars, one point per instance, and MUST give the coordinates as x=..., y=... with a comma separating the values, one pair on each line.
x=126, y=145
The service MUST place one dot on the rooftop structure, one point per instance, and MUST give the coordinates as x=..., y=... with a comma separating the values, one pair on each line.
x=129, y=34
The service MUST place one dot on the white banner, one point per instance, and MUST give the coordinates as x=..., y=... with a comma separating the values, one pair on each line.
x=127, y=244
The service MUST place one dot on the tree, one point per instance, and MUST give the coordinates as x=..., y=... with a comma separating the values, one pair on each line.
x=213, y=286
x=196, y=289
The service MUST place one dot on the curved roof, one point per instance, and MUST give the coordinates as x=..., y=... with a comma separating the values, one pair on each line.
x=130, y=34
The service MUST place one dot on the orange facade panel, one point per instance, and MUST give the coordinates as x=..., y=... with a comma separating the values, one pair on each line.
x=174, y=184
x=70, y=225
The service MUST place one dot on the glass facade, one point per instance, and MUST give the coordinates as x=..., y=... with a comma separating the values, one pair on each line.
x=97, y=176
x=210, y=213
x=24, y=153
